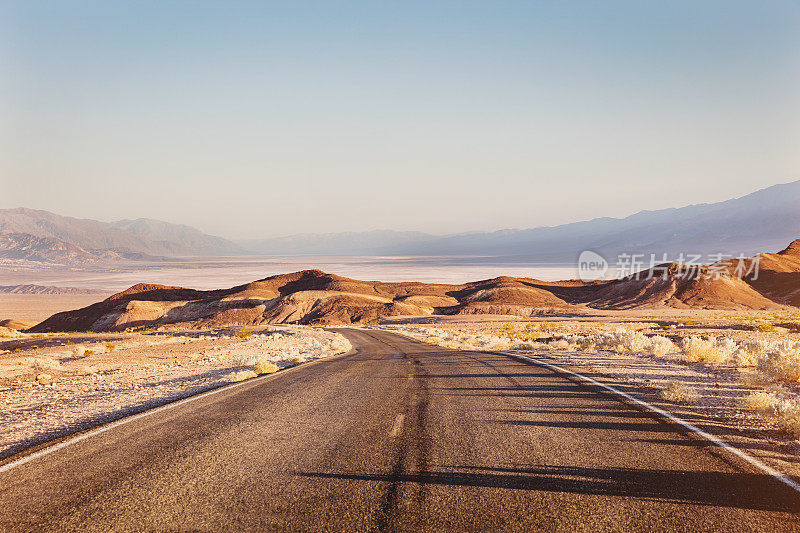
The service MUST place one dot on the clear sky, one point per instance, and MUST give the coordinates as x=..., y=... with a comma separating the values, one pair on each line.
x=251, y=119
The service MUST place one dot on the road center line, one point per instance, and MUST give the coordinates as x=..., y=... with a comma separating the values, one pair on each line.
x=398, y=425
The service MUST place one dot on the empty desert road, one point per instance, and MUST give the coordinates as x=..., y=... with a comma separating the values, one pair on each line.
x=398, y=436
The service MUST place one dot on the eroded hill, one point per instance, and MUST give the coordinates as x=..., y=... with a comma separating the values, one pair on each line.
x=316, y=297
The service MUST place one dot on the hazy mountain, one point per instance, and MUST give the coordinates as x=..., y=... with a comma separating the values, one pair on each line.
x=179, y=239
x=763, y=220
x=36, y=235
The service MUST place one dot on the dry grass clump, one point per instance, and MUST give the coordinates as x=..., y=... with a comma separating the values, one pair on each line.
x=760, y=401
x=620, y=341
x=46, y=364
x=8, y=333
x=297, y=359
x=243, y=333
x=677, y=392
x=711, y=350
x=110, y=346
x=241, y=375
x=79, y=351
x=778, y=406
x=265, y=366
x=749, y=353
x=44, y=379
x=781, y=362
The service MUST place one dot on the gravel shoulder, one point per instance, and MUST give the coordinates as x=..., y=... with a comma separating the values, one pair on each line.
x=55, y=385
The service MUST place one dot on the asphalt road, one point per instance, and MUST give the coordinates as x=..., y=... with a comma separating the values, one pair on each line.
x=399, y=436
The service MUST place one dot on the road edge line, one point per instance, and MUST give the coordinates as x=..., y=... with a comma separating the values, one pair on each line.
x=730, y=448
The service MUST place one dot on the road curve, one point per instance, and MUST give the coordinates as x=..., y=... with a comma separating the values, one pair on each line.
x=398, y=436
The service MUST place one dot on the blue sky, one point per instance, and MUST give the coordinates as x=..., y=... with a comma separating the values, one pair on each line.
x=252, y=119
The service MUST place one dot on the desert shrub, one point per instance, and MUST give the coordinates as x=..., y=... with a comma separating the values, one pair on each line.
x=241, y=375
x=560, y=344
x=44, y=379
x=787, y=415
x=265, y=366
x=677, y=392
x=766, y=328
x=297, y=359
x=79, y=351
x=660, y=346
x=110, y=346
x=526, y=345
x=777, y=406
x=748, y=353
x=9, y=333
x=243, y=333
x=699, y=350
x=46, y=363
x=760, y=401
x=781, y=362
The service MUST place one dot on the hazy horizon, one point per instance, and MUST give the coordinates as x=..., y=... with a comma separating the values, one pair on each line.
x=261, y=120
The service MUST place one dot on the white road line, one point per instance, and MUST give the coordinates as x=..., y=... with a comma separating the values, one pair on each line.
x=686, y=425
x=398, y=425
x=102, y=429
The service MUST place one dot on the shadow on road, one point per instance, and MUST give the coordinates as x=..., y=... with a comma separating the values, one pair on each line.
x=720, y=489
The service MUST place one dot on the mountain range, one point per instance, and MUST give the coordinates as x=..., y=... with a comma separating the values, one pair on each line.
x=763, y=220
x=34, y=235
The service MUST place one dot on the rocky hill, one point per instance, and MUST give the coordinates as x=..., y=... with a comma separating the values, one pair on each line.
x=315, y=297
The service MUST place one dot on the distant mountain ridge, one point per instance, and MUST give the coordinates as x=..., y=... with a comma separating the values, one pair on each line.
x=35, y=235
x=763, y=220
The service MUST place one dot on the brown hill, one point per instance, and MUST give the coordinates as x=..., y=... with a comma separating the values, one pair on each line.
x=673, y=285
x=314, y=297
x=778, y=275
x=307, y=297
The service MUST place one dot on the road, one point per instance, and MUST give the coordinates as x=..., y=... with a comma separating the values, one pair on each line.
x=398, y=436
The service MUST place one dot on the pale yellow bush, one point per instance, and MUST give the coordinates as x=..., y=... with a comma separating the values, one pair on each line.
x=46, y=363
x=749, y=353
x=241, y=375
x=660, y=346
x=677, y=392
x=265, y=366
x=778, y=406
x=760, y=401
x=698, y=350
x=781, y=363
